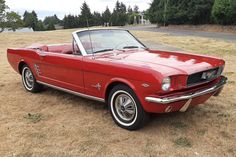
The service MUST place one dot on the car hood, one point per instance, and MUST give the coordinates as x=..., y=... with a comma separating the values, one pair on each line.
x=167, y=63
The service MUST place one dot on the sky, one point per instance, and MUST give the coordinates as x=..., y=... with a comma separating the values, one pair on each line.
x=61, y=7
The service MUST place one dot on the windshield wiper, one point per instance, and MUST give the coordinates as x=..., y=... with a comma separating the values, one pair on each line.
x=104, y=50
x=133, y=47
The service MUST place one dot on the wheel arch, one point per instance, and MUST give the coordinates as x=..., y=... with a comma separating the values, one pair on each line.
x=115, y=82
x=20, y=66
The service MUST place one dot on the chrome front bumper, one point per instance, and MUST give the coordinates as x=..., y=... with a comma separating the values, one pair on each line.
x=168, y=100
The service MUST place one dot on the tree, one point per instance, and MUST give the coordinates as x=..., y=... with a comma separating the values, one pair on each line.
x=30, y=19
x=97, y=19
x=199, y=11
x=3, y=13
x=106, y=16
x=51, y=26
x=130, y=10
x=119, y=16
x=51, y=19
x=224, y=12
x=180, y=11
x=70, y=21
x=40, y=26
x=155, y=12
x=13, y=20
x=85, y=16
x=136, y=9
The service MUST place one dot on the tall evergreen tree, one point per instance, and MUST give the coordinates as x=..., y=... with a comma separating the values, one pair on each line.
x=130, y=10
x=106, y=16
x=97, y=19
x=119, y=16
x=85, y=16
x=30, y=19
x=136, y=9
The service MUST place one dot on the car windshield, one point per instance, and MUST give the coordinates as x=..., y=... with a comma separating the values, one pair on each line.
x=108, y=40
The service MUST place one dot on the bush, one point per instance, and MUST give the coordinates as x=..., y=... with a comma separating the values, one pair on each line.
x=224, y=12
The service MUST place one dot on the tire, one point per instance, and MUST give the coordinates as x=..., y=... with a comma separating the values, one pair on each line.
x=125, y=108
x=29, y=81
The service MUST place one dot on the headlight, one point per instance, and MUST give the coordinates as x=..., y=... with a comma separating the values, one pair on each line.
x=166, y=82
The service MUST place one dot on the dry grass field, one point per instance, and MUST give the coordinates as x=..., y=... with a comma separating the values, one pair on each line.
x=53, y=123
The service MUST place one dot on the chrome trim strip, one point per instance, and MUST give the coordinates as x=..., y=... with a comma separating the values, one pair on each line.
x=73, y=92
x=168, y=100
x=79, y=43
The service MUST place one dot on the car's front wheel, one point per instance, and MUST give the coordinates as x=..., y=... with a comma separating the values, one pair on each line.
x=125, y=108
x=29, y=80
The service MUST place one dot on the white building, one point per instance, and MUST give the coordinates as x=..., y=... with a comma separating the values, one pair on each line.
x=25, y=29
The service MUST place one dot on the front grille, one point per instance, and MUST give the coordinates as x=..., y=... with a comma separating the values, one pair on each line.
x=201, y=77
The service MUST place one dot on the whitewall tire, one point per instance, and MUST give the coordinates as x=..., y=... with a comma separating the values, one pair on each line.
x=29, y=81
x=125, y=108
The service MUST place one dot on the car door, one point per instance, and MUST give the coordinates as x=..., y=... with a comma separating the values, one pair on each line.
x=62, y=70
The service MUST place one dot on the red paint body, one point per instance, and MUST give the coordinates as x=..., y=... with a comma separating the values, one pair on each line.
x=131, y=67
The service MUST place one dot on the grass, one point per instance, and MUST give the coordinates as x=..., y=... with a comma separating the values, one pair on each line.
x=201, y=132
x=79, y=127
x=179, y=125
x=33, y=118
x=183, y=142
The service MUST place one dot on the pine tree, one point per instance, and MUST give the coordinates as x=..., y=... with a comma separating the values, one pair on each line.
x=30, y=19
x=119, y=16
x=106, y=16
x=85, y=16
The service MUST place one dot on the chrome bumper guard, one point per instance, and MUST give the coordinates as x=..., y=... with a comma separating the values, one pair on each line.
x=168, y=100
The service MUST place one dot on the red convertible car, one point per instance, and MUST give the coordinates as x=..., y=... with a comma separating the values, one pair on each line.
x=112, y=66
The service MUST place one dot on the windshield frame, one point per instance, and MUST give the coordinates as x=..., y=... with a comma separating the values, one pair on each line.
x=81, y=47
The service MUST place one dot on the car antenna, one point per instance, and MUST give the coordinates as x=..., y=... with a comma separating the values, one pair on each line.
x=90, y=39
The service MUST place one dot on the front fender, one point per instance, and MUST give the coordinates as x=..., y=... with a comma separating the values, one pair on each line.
x=140, y=88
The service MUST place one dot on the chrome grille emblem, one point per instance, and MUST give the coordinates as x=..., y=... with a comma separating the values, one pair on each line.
x=208, y=75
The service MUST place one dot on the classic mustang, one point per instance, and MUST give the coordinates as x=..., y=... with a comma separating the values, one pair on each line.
x=112, y=66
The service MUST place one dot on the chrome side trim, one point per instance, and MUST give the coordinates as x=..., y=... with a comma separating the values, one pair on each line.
x=73, y=92
x=79, y=44
x=168, y=100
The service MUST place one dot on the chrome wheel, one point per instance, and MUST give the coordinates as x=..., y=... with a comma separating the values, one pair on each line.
x=125, y=107
x=28, y=78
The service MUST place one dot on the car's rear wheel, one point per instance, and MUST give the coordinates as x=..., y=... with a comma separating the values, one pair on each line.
x=29, y=81
x=125, y=108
